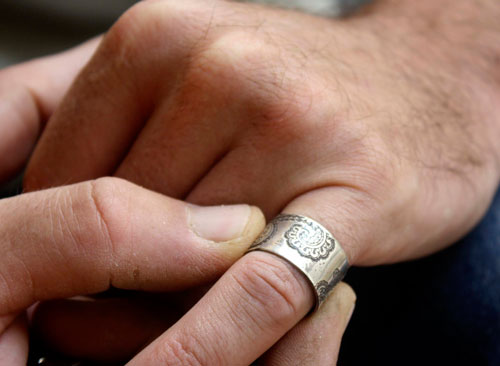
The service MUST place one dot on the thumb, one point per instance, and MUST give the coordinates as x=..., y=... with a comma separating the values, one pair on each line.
x=84, y=238
x=29, y=93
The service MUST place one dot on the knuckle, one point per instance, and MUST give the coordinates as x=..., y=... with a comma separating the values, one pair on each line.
x=179, y=352
x=162, y=25
x=253, y=70
x=76, y=214
x=243, y=62
x=170, y=28
x=93, y=216
x=238, y=48
x=110, y=198
x=274, y=288
x=126, y=35
x=189, y=19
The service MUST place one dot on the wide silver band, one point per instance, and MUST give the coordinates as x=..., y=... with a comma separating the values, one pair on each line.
x=308, y=246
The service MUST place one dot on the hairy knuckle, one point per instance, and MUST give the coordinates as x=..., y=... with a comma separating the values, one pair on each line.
x=241, y=61
x=238, y=48
x=126, y=36
x=170, y=28
x=159, y=24
x=143, y=27
x=193, y=19
x=251, y=71
x=273, y=289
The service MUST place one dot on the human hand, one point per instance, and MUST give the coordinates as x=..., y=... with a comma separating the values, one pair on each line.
x=414, y=160
x=113, y=329
x=241, y=103
x=84, y=239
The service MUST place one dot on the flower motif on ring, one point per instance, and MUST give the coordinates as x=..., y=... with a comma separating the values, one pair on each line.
x=310, y=240
x=268, y=232
x=323, y=288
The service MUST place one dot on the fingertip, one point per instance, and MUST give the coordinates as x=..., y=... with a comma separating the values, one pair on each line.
x=254, y=226
x=345, y=294
x=339, y=305
x=229, y=228
x=316, y=339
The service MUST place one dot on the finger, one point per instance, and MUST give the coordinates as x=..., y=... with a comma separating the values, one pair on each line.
x=357, y=220
x=316, y=339
x=14, y=343
x=6, y=321
x=224, y=105
x=354, y=204
x=194, y=128
x=85, y=238
x=265, y=176
x=29, y=93
x=372, y=229
x=307, y=186
x=250, y=308
x=114, y=95
x=179, y=144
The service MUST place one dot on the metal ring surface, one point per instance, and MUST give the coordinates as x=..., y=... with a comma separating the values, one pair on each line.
x=309, y=247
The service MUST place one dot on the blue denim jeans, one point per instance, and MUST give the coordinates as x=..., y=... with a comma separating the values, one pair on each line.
x=441, y=310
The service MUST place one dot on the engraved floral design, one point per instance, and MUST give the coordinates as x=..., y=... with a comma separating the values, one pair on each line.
x=268, y=232
x=323, y=288
x=308, y=238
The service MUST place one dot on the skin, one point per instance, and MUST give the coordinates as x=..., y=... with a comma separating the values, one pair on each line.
x=383, y=127
x=85, y=239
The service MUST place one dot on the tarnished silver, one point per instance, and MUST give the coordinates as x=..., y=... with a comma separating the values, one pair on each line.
x=308, y=246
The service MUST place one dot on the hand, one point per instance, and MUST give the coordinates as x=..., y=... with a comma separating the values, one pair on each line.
x=347, y=125
x=112, y=329
x=86, y=238
x=222, y=102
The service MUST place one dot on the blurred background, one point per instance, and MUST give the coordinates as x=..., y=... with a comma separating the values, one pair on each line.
x=34, y=28
x=31, y=28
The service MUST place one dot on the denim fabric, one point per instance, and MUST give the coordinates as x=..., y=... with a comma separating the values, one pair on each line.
x=441, y=310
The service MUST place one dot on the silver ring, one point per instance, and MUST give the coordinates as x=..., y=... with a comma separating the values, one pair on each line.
x=309, y=247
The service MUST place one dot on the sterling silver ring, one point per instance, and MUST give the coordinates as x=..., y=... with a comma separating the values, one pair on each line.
x=309, y=247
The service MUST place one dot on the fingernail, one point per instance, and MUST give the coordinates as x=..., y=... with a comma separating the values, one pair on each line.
x=222, y=223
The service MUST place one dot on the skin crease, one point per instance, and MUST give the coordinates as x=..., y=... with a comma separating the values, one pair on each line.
x=388, y=138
